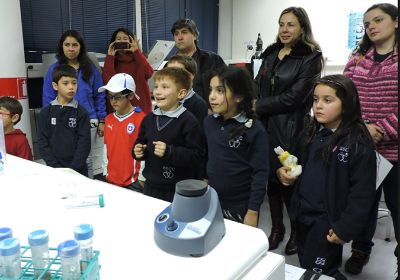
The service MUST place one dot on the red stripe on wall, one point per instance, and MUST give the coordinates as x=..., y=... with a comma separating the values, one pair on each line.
x=15, y=87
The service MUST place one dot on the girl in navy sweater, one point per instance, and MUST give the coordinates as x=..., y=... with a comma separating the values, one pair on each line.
x=335, y=193
x=237, y=146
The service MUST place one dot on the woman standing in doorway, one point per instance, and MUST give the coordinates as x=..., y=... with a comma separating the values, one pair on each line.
x=124, y=56
x=290, y=67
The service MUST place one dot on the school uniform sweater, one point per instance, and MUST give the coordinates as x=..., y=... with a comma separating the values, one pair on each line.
x=64, y=135
x=348, y=185
x=185, y=148
x=237, y=167
x=377, y=86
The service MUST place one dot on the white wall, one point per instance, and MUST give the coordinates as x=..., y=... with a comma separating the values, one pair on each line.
x=241, y=20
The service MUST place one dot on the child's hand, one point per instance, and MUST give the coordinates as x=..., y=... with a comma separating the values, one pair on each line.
x=251, y=218
x=159, y=148
x=283, y=177
x=100, y=130
x=139, y=150
x=333, y=238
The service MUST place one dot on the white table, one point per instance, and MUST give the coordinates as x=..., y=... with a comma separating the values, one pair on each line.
x=30, y=199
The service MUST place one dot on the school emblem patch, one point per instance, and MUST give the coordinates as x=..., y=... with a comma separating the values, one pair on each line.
x=72, y=122
x=130, y=128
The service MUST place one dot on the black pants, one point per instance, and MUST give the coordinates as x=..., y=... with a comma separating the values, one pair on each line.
x=166, y=193
x=278, y=191
x=314, y=251
x=389, y=185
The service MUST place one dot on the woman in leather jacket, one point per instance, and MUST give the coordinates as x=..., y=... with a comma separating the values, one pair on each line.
x=289, y=69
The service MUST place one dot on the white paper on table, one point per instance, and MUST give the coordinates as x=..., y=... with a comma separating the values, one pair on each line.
x=293, y=272
x=383, y=167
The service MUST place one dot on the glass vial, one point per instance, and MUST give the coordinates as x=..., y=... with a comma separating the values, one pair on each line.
x=69, y=252
x=84, y=235
x=39, y=242
x=10, y=258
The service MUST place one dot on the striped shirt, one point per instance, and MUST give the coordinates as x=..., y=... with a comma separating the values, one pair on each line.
x=377, y=87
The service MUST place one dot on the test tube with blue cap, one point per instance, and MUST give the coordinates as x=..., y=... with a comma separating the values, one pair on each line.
x=10, y=258
x=5, y=232
x=39, y=242
x=69, y=252
x=84, y=235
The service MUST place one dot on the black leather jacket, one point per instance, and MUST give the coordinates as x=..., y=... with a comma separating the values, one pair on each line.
x=286, y=94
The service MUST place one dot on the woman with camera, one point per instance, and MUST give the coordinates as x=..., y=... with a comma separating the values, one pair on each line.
x=124, y=56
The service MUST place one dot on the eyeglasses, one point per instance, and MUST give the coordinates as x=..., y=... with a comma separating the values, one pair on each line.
x=5, y=114
x=116, y=97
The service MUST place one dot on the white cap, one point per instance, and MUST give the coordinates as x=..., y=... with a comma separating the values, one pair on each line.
x=119, y=82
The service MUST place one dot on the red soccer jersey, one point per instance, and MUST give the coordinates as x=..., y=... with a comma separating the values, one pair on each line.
x=120, y=134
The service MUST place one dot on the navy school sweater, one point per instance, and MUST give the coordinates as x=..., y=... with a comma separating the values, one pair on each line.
x=237, y=167
x=185, y=149
x=64, y=135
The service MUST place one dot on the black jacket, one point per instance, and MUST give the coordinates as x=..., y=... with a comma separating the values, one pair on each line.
x=349, y=180
x=185, y=150
x=207, y=62
x=286, y=94
x=64, y=136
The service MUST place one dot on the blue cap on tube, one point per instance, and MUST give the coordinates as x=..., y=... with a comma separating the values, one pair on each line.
x=9, y=246
x=38, y=237
x=5, y=232
x=83, y=231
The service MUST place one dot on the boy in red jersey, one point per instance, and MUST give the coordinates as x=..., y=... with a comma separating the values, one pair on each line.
x=16, y=142
x=120, y=133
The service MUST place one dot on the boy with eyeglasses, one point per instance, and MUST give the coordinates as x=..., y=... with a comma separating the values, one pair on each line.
x=120, y=133
x=16, y=141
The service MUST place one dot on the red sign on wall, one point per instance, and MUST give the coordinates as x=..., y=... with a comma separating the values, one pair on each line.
x=15, y=87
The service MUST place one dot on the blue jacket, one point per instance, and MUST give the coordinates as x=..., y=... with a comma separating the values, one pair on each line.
x=87, y=96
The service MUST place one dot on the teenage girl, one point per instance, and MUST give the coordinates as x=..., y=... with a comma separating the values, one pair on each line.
x=237, y=149
x=334, y=195
x=373, y=67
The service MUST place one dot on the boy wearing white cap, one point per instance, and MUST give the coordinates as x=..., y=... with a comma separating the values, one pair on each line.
x=120, y=132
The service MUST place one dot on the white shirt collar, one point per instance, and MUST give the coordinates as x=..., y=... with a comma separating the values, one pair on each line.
x=241, y=117
x=188, y=95
x=172, y=114
x=73, y=103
